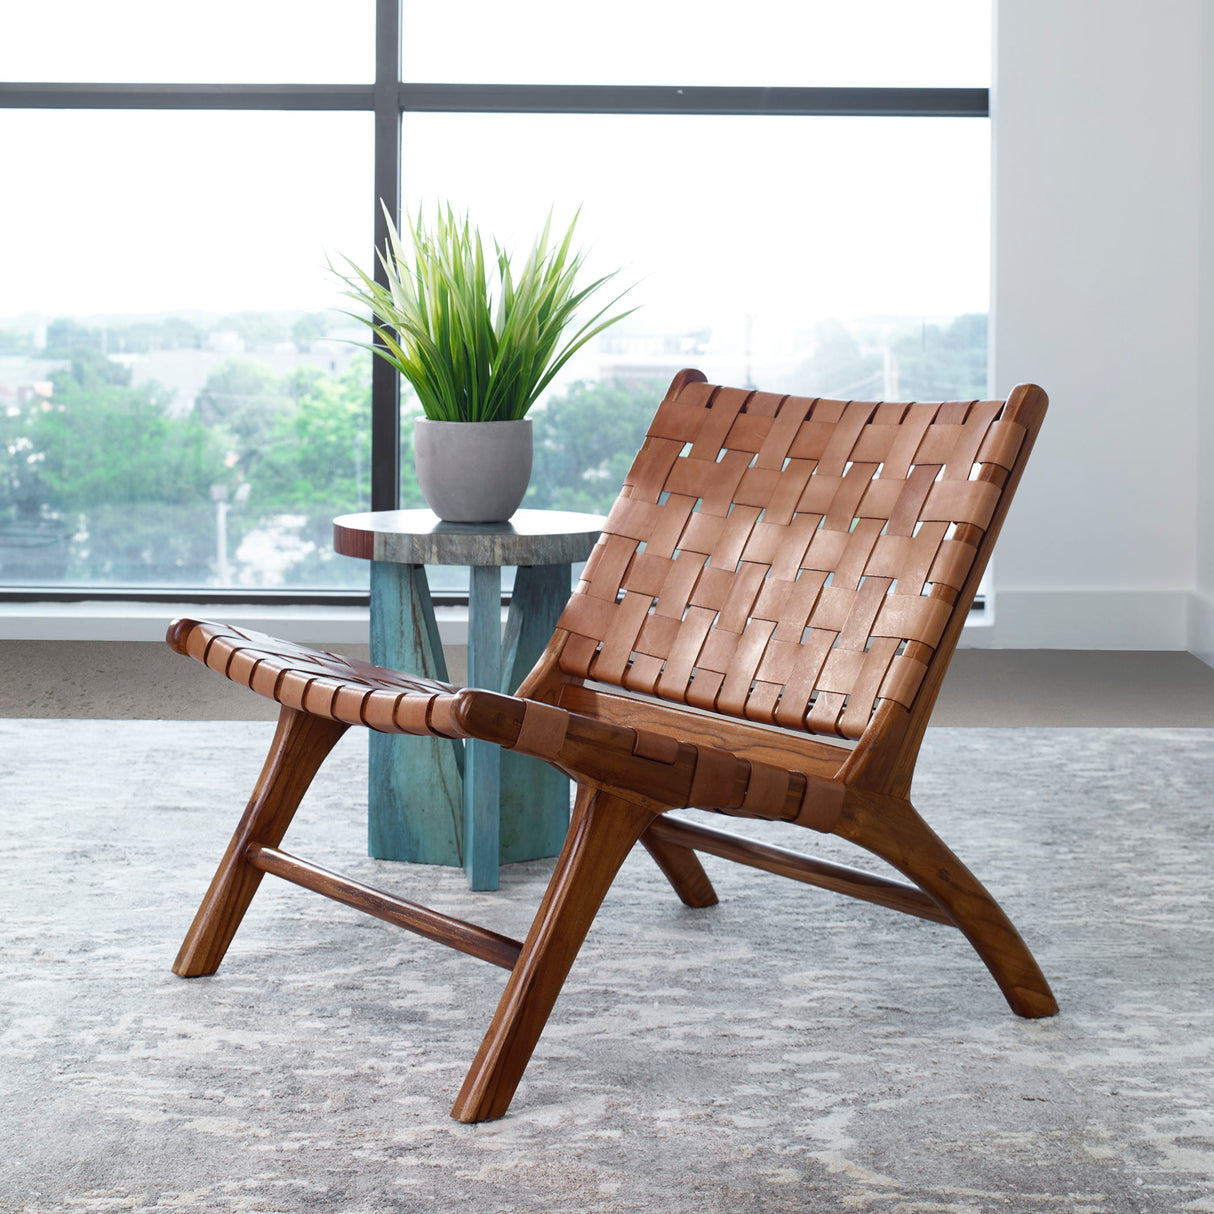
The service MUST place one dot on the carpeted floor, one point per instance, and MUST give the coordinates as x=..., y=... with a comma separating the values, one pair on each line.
x=787, y=1050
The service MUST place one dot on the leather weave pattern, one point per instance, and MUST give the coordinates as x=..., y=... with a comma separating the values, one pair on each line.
x=357, y=693
x=788, y=560
x=323, y=684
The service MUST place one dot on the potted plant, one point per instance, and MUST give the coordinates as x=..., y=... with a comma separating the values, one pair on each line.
x=478, y=340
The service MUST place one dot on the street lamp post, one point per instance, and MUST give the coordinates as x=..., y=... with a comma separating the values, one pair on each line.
x=219, y=495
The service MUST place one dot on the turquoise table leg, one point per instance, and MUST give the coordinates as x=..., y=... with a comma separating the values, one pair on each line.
x=535, y=797
x=482, y=760
x=415, y=802
x=435, y=801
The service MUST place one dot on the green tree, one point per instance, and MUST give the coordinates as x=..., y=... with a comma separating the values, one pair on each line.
x=410, y=491
x=585, y=441
x=308, y=328
x=314, y=464
x=320, y=450
x=21, y=489
x=167, y=333
x=246, y=404
x=65, y=337
x=128, y=481
x=16, y=341
x=258, y=328
x=105, y=444
x=89, y=369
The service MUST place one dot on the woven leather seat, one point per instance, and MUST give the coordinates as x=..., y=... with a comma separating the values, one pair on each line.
x=762, y=631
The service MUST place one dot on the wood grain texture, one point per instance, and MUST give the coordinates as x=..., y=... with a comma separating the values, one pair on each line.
x=891, y=828
x=482, y=760
x=301, y=743
x=415, y=784
x=602, y=832
x=761, y=630
x=680, y=866
x=535, y=796
x=421, y=920
x=841, y=878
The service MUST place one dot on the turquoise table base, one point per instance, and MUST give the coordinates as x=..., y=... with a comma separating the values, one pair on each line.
x=440, y=801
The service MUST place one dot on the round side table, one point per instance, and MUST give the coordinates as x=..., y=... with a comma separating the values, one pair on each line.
x=440, y=801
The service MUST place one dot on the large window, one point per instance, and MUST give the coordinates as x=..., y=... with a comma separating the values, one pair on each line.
x=175, y=409
x=797, y=199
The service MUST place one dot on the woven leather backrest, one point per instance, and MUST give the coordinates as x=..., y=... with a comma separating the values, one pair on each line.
x=788, y=560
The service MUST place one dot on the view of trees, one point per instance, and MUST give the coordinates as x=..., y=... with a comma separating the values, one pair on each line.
x=111, y=476
x=585, y=441
x=106, y=482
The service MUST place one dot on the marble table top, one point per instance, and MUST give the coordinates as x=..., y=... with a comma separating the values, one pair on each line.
x=419, y=537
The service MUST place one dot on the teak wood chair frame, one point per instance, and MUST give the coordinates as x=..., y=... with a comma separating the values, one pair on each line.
x=775, y=568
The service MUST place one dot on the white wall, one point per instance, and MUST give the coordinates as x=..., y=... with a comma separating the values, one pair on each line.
x=1201, y=639
x=1098, y=271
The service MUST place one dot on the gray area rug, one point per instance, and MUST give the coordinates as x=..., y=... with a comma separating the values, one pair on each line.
x=788, y=1050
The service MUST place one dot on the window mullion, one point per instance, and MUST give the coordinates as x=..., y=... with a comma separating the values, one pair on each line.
x=669, y=99
x=385, y=383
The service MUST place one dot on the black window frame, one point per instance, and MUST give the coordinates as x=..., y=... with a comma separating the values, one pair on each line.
x=389, y=98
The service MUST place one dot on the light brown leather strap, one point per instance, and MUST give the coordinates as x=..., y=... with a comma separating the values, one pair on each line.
x=322, y=684
x=788, y=560
x=543, y=731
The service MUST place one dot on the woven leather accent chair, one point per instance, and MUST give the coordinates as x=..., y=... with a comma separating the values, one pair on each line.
x=762, y=630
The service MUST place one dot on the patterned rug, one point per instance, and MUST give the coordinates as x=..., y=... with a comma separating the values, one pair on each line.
x=788, y=1050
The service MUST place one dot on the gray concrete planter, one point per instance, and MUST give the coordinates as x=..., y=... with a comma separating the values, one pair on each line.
x=473, y=472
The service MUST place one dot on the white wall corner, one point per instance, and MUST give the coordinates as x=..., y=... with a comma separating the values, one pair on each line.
x=1201, y=626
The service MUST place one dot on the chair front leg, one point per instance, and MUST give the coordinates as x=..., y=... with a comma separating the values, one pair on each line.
x=891, y=828
x=603, y=830
x=301, y=743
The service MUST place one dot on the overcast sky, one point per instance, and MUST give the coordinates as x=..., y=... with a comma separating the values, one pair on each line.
x=125, y=212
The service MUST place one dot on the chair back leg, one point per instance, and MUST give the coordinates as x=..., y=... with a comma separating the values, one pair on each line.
x=301, y=743
x=603, y=830
x=682, y=868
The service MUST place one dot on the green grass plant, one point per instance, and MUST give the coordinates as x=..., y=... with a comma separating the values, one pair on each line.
x=477, y=339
